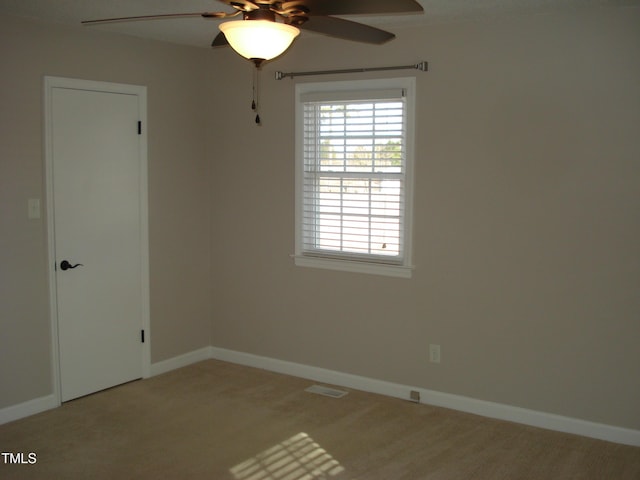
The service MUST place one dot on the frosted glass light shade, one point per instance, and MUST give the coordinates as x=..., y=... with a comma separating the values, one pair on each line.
x=259, y=39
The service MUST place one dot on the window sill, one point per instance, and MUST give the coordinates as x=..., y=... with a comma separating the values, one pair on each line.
x=398, y=271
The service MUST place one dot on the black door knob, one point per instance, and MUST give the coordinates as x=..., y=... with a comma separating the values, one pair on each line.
x=64, y=265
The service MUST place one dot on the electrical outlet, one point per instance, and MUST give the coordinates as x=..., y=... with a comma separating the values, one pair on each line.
x=434, y=353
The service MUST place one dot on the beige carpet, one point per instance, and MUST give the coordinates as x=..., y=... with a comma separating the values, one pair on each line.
x=215, y=420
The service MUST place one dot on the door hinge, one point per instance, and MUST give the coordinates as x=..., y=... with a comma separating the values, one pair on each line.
x=142, y=336
x=139, y=128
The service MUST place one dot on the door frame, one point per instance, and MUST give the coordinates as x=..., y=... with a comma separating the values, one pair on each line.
x=51, y=82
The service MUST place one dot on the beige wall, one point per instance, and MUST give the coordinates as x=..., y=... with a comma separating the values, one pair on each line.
x=178, y=190
x=526, y=226
x=527, y=219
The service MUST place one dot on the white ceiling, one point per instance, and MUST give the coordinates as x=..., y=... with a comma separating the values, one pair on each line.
x=200, y=32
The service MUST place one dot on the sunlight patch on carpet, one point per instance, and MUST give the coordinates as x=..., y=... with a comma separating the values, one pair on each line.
x=297, y=458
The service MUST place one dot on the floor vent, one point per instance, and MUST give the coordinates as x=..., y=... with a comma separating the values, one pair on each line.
x=326, y=391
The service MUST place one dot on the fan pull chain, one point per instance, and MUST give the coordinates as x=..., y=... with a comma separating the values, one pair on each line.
x=256, y=93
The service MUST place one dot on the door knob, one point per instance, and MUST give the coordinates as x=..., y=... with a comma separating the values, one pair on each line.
x=64, y=265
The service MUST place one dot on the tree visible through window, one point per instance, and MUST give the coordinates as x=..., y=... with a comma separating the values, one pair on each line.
x=354, y=164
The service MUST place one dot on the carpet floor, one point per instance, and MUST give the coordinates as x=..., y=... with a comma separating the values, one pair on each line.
x=216, y=420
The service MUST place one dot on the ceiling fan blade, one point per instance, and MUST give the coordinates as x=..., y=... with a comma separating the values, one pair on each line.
x=355, y=7
x=346, y=29
x=243, y=5
x=160, y=17
x=220, y=41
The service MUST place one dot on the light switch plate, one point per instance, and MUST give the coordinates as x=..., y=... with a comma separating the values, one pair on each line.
x=33, y=208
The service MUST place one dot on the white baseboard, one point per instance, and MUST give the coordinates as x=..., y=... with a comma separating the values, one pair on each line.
x=533, y=418
x=25, y=409
x=180, y=361
x=430, y=397
x=37, y=405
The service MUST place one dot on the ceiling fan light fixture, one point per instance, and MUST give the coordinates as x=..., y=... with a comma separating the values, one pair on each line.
x=259, y=39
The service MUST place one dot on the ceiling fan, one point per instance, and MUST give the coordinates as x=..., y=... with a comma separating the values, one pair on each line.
x=269, y=27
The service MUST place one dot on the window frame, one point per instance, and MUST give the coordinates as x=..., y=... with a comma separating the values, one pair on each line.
x=360, y=263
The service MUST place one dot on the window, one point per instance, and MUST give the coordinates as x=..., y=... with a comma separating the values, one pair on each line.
x=353, y=175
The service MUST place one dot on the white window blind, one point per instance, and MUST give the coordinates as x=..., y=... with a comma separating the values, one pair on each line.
x=354, y=151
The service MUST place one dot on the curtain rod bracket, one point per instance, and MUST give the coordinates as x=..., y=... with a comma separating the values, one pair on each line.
x=422, y=66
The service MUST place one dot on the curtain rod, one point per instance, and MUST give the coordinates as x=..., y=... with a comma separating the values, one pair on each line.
x=422, y=66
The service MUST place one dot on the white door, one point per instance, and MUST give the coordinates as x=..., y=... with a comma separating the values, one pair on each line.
x=95, y=149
